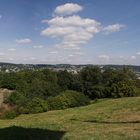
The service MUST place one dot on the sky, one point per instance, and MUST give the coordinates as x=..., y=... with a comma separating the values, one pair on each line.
x=70, y=31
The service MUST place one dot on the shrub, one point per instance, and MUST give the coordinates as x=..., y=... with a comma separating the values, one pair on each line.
x=95, y=92
x=122, y=89
x=16, y=98
x=9, y=114
x=36, y=105
x=137, y=91
x=67, y=99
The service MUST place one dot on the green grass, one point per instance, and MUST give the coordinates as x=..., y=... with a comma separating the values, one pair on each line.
x=108, y=119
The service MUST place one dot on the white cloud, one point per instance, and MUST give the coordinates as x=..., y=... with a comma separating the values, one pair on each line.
x=73, y=30
x=44, y=21
x=113, y=28
x=133, y=57
x=138, y=53
x=79, y=53
x=53, y=52
x=121, y=57
x=12, y=49
x=72, y=20
x=23, y=41
x=11, y=59
x=104, y=57
x=76, y=48
x=0, y=16
x=71, y=55
x=2, y=54
x=67, y=9
x=38, y=47
x=33, y=58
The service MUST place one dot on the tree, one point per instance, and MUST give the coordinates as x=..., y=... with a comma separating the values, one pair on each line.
x=65, y=79
x=92, y=75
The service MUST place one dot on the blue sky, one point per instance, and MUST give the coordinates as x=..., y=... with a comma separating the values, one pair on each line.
x=70, y=31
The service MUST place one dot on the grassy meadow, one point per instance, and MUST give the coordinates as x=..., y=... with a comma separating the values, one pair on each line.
x=105, y=119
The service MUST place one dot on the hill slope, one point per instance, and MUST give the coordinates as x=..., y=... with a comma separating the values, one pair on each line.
x=109, y=119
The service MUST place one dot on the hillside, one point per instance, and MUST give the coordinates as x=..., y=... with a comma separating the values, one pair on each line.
x=107, y=119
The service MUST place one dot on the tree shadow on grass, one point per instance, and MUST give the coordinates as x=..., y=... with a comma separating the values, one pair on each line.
x=20, y=133
x=112, y=122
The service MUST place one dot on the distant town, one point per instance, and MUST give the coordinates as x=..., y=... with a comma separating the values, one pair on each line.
x=11, y=67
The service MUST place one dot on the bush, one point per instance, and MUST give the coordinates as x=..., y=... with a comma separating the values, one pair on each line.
x=137, y=91
x=10, y=114
x=16, y=98
x=95, y=92
x=36, y=105
x=8, y=80
x=67, y=99
x=122, y=89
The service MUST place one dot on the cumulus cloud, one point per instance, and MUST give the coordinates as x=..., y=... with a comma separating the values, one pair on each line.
x=133, y=57
x=74, y=20
x=2, y=54
x=32, y=58
x=11, y=59
x=12, y=49
x=79, y=53
x=113, y=28
x=104, y=57
x=138, y=53
x=53, y=52
x=70, y=55
x=23, y=41
x=38, y=46
x=73, y=30
x=67, y=9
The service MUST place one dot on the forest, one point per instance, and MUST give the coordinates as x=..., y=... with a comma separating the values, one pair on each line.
x=44, y=90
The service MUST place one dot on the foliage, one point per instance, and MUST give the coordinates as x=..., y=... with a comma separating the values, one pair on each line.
x=110, y=119
x=109, y=83
x=64, y=79
x=36, y=105
x=16, y=98
x=96, y=91
x=9, y=114
x=137, y=91
x=122, y=89
x=38, y=91
x=92, y=75
x=8, y=80
x=67, y=99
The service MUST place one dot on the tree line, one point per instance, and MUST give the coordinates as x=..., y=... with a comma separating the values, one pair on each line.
x=42, y=90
